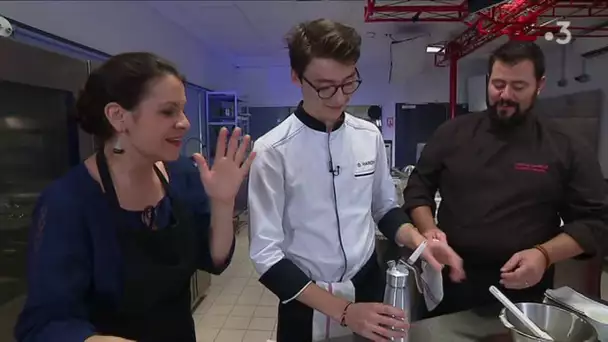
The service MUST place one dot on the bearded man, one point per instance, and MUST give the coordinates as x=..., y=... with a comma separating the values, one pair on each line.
x=507, y=178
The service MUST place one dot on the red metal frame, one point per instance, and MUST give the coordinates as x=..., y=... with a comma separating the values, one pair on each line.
x=519, y=19
x=399, y=11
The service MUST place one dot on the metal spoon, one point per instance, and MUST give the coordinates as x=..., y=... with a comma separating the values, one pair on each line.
x=519, y=315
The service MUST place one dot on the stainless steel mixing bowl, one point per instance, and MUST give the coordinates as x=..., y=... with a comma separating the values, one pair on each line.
x=562, y=325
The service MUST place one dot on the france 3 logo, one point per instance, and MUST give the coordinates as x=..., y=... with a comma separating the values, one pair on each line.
x=564, y=36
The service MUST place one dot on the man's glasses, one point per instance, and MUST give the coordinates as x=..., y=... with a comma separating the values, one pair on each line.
x=328, y=92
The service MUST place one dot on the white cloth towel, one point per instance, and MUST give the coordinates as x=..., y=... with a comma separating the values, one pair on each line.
x=432, y=286
x=323, y=327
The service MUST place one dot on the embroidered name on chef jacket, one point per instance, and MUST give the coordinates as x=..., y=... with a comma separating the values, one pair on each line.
x=539, y=168
x=365, y=168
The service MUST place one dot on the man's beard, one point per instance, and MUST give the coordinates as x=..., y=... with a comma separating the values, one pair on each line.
x=501, y=117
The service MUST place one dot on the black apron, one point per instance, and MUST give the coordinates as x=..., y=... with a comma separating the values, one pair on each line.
x=295, y=319
x=154, y=304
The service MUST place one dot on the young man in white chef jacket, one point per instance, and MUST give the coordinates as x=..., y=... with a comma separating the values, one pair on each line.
x=318, y=188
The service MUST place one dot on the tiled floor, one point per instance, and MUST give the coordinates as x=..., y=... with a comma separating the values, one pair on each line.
x=238, y=308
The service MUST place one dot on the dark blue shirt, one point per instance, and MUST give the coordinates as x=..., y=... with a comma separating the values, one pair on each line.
x=74, y=257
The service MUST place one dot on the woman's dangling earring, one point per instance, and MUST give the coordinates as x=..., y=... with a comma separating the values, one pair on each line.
x=118, y=148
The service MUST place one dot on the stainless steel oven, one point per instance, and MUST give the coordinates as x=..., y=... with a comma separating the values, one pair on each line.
x=39, y=141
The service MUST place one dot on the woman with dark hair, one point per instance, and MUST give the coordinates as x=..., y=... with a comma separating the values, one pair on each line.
x=114, y=243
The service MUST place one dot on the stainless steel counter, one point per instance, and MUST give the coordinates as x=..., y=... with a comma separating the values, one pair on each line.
x=477, y=325
x=480, y=325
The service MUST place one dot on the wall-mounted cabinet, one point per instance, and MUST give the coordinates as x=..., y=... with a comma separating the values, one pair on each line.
x=39, y=142
x=414, y=125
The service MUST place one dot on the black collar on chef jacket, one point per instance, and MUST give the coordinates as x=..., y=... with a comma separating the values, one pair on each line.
x=313, y=123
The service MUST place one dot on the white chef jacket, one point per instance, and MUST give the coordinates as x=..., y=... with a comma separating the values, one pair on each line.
x=315, y=199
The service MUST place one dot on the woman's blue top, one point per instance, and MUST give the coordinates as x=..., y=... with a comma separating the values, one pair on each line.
x=74, y=256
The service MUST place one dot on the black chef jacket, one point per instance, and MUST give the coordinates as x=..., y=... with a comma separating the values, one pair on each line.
x=504, y=190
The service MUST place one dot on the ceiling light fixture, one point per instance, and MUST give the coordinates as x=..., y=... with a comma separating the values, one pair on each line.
x=434, y=49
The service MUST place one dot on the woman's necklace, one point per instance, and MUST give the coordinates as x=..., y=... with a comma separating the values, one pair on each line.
x=148, y=217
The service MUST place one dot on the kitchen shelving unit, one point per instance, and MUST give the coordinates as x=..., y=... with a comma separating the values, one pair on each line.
x=223, y=109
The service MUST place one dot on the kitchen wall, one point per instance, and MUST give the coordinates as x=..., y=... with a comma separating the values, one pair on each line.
x=414, y=126
x=119, y=26
x=597, y=68
x=272, y=87
x=263, y=119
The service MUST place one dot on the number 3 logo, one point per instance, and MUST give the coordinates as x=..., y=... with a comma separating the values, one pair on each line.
x=565, y=32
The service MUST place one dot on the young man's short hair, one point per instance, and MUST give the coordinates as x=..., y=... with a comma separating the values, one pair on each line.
x=322, y=38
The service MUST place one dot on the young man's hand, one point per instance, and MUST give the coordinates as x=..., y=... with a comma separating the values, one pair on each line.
x=435, y=234
x=376, y=321
x=438, y=253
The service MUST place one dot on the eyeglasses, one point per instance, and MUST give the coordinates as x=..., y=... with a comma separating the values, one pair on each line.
x=328, y=92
